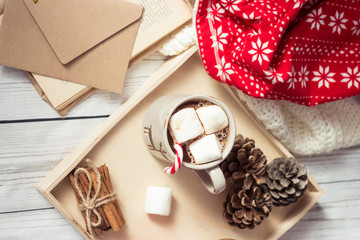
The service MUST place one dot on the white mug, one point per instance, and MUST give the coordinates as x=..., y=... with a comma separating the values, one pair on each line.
x=155, y=133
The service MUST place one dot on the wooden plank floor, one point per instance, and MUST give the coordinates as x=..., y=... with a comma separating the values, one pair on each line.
x=34, y=138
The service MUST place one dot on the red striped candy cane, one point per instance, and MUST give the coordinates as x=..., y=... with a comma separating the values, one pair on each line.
x=178, y=160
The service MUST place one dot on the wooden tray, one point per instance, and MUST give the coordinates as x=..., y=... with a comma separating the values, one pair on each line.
x=195, y=214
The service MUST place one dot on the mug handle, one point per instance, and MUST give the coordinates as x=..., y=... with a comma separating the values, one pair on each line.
x=213, y=179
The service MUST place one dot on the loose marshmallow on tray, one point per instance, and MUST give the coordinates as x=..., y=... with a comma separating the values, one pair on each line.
x=185, y=125
x=158, y=200
x=206, y=149
x=213, y=118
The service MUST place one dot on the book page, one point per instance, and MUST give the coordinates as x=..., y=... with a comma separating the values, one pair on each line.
x=160, y=17
x=58, y=91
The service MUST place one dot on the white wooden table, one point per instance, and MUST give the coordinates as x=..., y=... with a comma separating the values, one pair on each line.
x=34, y=138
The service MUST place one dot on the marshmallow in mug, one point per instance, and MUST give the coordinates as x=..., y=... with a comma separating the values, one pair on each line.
x=206, y=149
x=213, y=118
x=185, y=125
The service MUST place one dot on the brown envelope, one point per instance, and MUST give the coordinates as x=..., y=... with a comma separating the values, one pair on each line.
x=84, y=41
x=2, y=6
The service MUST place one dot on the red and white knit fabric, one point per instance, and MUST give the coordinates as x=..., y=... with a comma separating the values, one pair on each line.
x=303, y=51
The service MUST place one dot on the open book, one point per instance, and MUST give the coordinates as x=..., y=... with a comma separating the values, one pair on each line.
x=160, y=18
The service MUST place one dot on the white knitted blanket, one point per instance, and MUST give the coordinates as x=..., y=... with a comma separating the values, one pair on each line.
x=310, y=130
x=303, y=130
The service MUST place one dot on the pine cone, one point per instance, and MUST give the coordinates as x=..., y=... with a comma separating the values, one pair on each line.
x=247, y=208
x=286, y=179
x=245, y=164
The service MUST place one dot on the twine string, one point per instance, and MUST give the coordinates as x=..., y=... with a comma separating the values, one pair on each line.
x=89, y=204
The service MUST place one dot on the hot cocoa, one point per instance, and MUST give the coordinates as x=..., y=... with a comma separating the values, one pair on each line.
x=205, y=143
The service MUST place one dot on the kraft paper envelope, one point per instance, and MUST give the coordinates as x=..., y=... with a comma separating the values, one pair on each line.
x=2, y=6
x=84, y=41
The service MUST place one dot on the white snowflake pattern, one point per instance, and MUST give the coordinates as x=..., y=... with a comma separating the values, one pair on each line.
x=292, y=78
x=215, y=12
x=236, y=52
x=260, y=51
x=316, y=18
x=273, y=76
x=356, y=28
x=254, y=32
x=338, y=22
x=231, y=5
x=251, y=16
x=323, y=77
x=303, y=76
x=297, y=3
x=225, y=70
x=219, y=38
x=351, y=77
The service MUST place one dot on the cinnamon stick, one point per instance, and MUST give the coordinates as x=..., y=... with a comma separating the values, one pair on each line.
x=84, y=187
x=104, y=170
x=85, y=183
x=112, y=205
x=109, y=209
x=79, y=201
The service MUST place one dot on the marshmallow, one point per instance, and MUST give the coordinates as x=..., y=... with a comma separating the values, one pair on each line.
x=158, y=200
x=213, y=118
x=206, y=149
x=185, y=125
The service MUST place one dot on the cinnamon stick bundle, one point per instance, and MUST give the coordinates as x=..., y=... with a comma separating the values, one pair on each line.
x=107, y=213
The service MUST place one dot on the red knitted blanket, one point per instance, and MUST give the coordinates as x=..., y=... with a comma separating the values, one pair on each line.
x=307, y=52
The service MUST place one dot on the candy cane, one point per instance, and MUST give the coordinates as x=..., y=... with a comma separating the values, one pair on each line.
x=178, y=160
